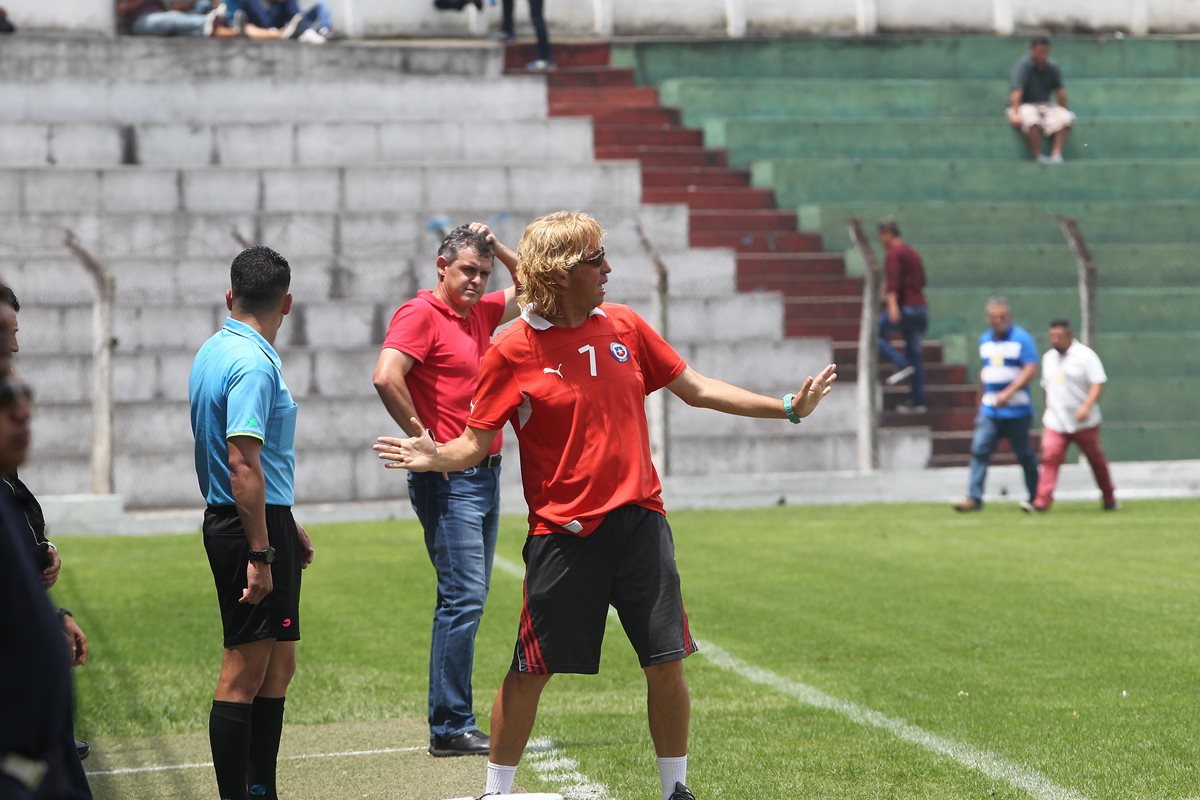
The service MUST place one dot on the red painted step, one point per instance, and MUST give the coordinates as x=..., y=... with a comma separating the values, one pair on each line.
x=568, y=55
x=652, y=156
x=661, y=177
x=833, y=329
x=710, y=197
x=628, y=135
x=846, y=352
x=591, y=76
x=603, y=97
x=650, y=117
x=794, y=284
x=752, y=241
x=823, y=266
x=747, y=222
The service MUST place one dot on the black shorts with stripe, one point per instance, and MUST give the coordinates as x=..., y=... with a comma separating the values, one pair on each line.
x=278, y=615
x=628, y=562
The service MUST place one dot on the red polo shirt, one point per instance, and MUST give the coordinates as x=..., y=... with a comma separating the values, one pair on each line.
x=905, y=275
x=448, y=349
x=577, y=400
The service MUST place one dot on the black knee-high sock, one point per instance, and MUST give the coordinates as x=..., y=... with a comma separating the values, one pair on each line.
x=229, y=736
x=266, y=728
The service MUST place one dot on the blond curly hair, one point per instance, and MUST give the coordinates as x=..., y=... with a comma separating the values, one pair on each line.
x=549, y=248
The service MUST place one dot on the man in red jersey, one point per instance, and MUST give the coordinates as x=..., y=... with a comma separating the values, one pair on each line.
x=572, y=376
x=427, y=371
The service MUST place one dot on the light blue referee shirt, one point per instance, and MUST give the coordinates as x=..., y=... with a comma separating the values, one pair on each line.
x=1002, y=358
x=237, y=389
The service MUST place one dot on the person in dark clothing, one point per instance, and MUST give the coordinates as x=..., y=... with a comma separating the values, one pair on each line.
x=36, y=758
x=544, y=61
x=907, y=313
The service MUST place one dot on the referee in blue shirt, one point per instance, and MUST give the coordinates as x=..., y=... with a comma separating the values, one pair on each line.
x=1008, y=358
x=244, y=423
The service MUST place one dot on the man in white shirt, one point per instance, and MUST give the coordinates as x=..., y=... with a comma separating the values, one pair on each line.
x=1073, y=379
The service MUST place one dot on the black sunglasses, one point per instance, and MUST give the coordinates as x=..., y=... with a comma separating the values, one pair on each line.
x=596, y=257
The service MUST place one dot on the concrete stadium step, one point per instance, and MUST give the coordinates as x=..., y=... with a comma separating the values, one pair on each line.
x=794, y=283
x=360, y=234
x=662, y=177
x=829, y=267
x=904, y=56
x=658, y=156
x=1152, y=354
x=1048, y=266
x=808, y=182
x=1121, y=310
x=778, y=450
x=617, y=135
x=749, y=222
x=576, y=55
x=755, y=241
x=360, y=323
x=728, y=198
x=390, y=187
x=662, y=117
x=1149, y=441
x=576, y=77
x=294, y=144
x=1094, y=100
x=987, y=223
x=748, y=140
x=846, y=351
x=604, y=96
x=253, y=100
x=50, y=281
x=177, y=60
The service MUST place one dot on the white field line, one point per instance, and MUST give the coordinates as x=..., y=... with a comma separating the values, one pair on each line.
x=1031, y=781
x=1034, y=783
x=554, y=767
x=304, y=757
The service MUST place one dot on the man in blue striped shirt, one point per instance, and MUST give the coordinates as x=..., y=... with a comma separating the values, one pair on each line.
x=1008, y=358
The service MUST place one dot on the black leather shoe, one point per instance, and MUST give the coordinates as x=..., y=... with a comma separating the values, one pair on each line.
x=470, y=743
x=83, y=749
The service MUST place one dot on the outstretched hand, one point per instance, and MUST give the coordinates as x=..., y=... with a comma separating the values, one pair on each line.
x=415, y=454
x=813, y=391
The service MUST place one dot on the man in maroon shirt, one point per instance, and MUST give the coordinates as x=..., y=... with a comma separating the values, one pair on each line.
x=428, y=370
x=907, y=314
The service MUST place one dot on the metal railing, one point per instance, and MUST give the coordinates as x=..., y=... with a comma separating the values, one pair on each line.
x=867, y=383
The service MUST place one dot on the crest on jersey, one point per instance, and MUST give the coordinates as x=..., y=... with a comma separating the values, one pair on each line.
x=619, y=351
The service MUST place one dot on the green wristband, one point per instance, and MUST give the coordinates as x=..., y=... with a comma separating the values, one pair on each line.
x=787, y=409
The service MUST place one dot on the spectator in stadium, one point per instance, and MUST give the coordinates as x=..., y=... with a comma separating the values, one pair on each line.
x=427, y=371
x=572, y=376
x=1034, y=78
x=282, y=19
x=1073, y=379
x=544, y=61
x=36, y=754
x=907, y=313
x=45, y=554
x=6, y=25
x=173, y=18
x=244, y=422
x=1008, y=361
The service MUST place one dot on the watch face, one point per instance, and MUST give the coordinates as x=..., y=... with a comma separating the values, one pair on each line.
x=266, y=555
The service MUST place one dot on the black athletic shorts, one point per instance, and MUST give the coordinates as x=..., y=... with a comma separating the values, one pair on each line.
x=278, y=615
x=628, y=562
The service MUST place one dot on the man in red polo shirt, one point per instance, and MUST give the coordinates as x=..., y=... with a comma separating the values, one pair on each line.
x=425, y=376
x=572, y=377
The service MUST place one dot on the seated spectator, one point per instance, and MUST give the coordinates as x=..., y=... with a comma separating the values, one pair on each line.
x=173, y=18
x=1034, y=77
x=282, y=19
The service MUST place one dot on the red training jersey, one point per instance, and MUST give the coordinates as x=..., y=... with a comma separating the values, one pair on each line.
x=576, y=398
x=905, y=275
x=448, y=349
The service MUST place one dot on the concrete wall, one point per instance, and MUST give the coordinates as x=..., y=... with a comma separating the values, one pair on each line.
x=388, y=18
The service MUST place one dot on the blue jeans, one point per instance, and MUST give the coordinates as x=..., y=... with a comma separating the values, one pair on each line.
x=987, y=435
x=170, y=23
x=461, y=518
x=914, y=321
x=268, y=14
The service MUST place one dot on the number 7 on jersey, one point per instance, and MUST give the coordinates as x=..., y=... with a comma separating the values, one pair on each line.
x=591, y=353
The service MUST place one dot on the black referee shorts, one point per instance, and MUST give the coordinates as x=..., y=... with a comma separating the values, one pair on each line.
x=278, y=615
x=628, y=562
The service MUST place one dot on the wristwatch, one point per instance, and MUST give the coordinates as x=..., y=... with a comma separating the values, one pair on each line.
x=266, y=555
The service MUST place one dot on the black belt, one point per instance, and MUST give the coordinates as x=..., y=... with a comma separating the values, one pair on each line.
x=491, y=462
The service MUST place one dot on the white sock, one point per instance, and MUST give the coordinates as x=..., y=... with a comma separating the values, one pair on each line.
x=670, y=772
x=499, y=778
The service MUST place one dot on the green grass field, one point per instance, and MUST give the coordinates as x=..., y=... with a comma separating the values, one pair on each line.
x=1062, y=647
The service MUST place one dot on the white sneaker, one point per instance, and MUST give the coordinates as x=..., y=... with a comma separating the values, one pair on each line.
x=293, y=25
x=311, y=37
x=1058, y=159
x=1043, y=158
x=899, y=375
x=212, y=18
